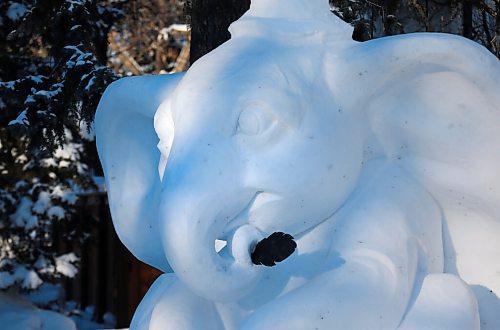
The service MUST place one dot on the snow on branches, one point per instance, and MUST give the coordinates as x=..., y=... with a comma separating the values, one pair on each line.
x=52, y=75
x=66, y=43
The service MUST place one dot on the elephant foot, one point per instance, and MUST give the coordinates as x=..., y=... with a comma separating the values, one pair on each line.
x=444, y=303
x=168, y=304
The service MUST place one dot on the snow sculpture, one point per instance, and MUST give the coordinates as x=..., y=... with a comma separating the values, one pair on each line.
x=380, y=158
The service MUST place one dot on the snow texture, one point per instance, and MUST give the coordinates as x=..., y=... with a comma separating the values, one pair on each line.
x=64, y=264
x=380, y=158
x=23, y=216
x=27, y=278
x=87, y=132
x=43, y=202
x=66, y=195
x=16, y=11
x=18, y=313
x=21, y=119
x=47, y=293
x=56, y=212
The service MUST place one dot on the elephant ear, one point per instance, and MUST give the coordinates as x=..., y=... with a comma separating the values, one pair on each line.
x=431, y=103
x=127, y=146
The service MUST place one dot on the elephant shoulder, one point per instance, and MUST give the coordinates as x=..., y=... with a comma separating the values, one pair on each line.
x=431, y=103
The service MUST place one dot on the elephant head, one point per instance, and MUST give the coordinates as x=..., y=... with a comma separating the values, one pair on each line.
x=248, y=158
x=247, y=148
x=269, y=132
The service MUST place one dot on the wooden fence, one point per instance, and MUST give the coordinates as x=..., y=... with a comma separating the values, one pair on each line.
x=110, y=278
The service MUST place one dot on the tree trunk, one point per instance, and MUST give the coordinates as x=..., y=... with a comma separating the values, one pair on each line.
x=210, y=20
x=496, y=40
x=467, y=19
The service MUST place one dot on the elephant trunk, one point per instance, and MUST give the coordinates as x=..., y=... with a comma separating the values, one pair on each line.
x=192, y=217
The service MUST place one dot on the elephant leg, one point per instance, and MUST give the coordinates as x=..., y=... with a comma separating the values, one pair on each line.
x=444, y=303
x=142, y=314
x=170, y=305
x=364, y=293
x=179, y=308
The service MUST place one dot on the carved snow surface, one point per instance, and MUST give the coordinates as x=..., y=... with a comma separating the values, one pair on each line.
x=380, y=158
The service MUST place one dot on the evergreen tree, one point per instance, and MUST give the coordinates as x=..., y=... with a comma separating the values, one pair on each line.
x=147, y=39
x=478, y=20
x=52, y=74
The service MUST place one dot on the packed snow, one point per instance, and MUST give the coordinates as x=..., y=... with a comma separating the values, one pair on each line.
x=28, y=278
x=43, y=202
x=23, y=215
x=380, y=158
x=21, y=119
x=16, y=11
x=65, y=266
x=17, y=313
x=86, y=131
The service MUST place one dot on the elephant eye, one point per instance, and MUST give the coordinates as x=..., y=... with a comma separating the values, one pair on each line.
x=253, y=121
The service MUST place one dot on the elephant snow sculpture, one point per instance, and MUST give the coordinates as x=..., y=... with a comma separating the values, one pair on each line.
x=381, y=158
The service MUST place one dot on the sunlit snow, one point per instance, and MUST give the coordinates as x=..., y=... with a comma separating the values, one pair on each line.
x=380, y=158
x=64, y=264
x=16, y=11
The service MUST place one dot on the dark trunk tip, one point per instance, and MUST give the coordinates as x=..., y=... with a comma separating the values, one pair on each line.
x=275, y=248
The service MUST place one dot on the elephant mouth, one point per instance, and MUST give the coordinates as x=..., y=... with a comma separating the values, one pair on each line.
x=241, y=218
x=240, y=236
